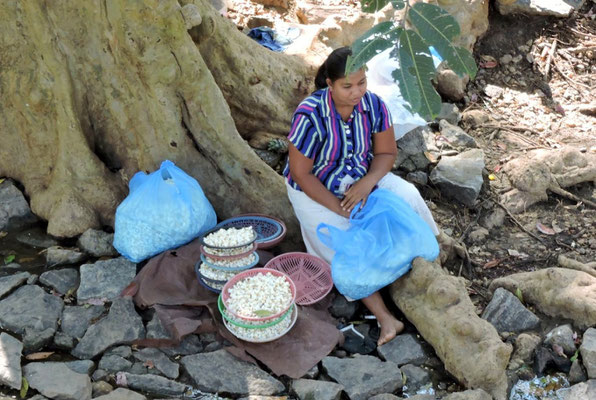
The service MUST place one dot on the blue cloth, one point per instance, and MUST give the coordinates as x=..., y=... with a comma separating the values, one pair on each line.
x=337, y=148
x=265, y=36
x=379, y=246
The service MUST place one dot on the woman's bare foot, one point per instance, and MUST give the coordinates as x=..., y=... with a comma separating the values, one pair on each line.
x=389, y=329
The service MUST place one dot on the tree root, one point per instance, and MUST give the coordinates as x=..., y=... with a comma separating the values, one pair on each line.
x=588, y=268
x=564, y=193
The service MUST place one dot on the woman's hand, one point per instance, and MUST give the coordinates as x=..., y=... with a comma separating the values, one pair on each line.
x=359, y=191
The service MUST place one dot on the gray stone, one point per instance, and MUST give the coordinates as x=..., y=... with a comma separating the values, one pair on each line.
x=411, y=148
x=122, y=394
x=588, y=352
x=416, y=378
x=32, y=280
x=30, y=307
x=57, y=381
x=218, y=371
x=14, y=210
x=385, y=396
x=581, y=391
x=105, y=279
x=342, y=308
x=154, y=385
x=37, y=397
x=10, y=361
x=507, y=314
x=191, y=344
x=8, y=283
x=81, y=366
x=562, y=336
x=76, y=319
x=478, y=235
x=460, y=176
x=114, y=363
x=100, y=375
x=155, y=329
x=97, y=243
x=122, y=325
x=139, y=368
x=456, y=136
x=363, y=376
x=450, y=113
x=577, y=373
x=419, y=177
x=160, y=361
x=34, y=340
x=403, y=349
x=36, y=237
x=560, y=8
x=270, y=158
x=307, y=389
x=63, y=341
x=100, y=388
x=213, y=346
x=57, y=255
x=476, y=394
x=122, y=351
x=62, y=281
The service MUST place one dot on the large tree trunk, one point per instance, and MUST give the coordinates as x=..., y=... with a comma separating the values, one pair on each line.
x=94, y=91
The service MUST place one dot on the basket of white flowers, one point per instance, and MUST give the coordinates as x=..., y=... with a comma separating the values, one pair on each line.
x=258, y=295
x=230, y=241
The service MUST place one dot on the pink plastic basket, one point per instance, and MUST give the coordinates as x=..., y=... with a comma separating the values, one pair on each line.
x=310, y=274
x=225, y=292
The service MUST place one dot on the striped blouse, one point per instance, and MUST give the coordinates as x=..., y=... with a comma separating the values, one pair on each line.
x=337, y=148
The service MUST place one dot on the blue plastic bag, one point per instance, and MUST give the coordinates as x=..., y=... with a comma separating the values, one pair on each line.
x=379, y=246
x=162, y=211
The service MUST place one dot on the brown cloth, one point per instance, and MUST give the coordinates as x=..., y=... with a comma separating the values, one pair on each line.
x=169, y=284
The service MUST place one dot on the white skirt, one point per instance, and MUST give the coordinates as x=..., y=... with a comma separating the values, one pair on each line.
x=310, y=213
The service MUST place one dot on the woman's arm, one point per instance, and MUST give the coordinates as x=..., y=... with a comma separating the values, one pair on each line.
x=385, y=152
x=301, y=172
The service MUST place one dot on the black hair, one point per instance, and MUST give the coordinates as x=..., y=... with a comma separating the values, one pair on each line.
x=333, y=68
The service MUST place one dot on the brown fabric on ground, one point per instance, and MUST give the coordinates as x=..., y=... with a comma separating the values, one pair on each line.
x=169, y=284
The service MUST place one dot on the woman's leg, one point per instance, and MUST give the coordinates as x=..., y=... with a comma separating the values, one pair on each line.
x=390, y=326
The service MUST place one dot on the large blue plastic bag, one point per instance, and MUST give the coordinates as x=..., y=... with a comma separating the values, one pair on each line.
x=379, y=246
x=163, y=210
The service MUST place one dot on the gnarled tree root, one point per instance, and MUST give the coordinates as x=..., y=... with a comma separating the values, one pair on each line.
x=439, y=306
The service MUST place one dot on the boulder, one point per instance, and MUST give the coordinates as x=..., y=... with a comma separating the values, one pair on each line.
x=121, y=394
x=476, y=394
x=562, y=336
x=62, y=281
x=556, y=292
x=105, y=279
x=508, y=314
x=76, y=319
x=363, y=376
x=154, y=385
x=8, y=283
x=470, y=347
x=218, y=371
x=403, y=349
x=57, y=255
x=456, y=136
x=57, y=381
x=159, y=361
x=460, y=177
x=30, y=307
x=416, y=378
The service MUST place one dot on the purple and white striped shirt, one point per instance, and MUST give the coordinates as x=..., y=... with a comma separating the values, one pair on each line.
x=337, y=148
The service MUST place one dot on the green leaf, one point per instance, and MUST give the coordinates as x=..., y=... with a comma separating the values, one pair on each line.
x=380, y=37
x=417, y=72
x=439, y=28
x=371, y=6
x=24, y=388
x=518, y=294
x=574, y=356
x=263, y=313
x=9, y=259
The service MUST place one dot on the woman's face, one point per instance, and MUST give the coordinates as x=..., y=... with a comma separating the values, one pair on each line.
x=349, y=90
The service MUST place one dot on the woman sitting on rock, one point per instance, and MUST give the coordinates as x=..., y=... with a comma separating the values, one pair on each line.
x=341, y=147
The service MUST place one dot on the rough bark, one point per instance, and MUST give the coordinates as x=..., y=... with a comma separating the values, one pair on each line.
x=94, y=91
x=439, y=306
x=262, y=88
